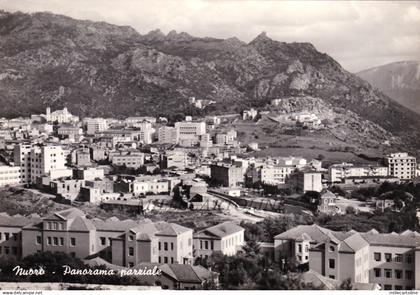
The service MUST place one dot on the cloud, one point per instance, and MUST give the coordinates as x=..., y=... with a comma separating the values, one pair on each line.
x=358, y=34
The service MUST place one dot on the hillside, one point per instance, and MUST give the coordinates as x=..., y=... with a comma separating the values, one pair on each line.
x=399, y=80
x=99, y=69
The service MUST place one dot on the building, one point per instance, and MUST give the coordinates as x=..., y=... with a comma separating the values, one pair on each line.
x=130, y=161
x=227, y=138
x=10, y=175
x=340, y=172
x=36, y=161
x=95, y=125
x=249, y=114
x=305, y=180
x=389, y=260
x=60, y=116
x=226, y=175
x=173, y=159
x=69, y=131
x=168, y=134
x=327, y=204
x=226, y=238
x=401, y=165
x=190, y=132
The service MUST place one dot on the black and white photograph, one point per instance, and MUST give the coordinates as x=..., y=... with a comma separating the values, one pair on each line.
x=151, y=145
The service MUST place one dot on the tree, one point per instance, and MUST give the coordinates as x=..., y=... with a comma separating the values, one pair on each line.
x=252, y=249
x=350, y=210
x=346, y=285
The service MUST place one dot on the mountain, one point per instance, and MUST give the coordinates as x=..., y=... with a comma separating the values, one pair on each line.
x=99, y=69
x=398, y=80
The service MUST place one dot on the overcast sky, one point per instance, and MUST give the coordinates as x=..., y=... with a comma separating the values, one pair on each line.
x=357, y=34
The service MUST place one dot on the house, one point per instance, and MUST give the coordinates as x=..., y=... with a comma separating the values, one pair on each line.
x=226, y=238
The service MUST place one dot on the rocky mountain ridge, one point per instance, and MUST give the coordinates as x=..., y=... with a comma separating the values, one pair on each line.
x=99, y=69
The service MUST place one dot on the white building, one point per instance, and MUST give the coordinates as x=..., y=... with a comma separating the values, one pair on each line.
x=339, y=172
x=401, y=165
x=190, y=132
x=95, y=125
x=37, y=161
x=168, y=134
x=226, y=238
x=60, y=116
x=10, y=175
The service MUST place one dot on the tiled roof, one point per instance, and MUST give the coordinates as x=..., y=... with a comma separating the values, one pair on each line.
x=315, y=232
x=223, y=229
x=81, y=224
x=392, y=239
x=16, y=220
x=170, y=229
x=114, y=225
x=66, y=214
x=181, y=272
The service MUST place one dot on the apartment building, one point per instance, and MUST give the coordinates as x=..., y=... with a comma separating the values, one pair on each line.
x=95, y=125
x=269, y=174
x=10, y=175
x=340, y=172
x=227, y=175
x=190, y=132
x=36, y=161
x=389, y=260
x=131, y=161
x=226, y=238
x=305, y=180
x=227, y=138
x=401, y=165
x=69, y=131
x=168, y=134
x=173, y=159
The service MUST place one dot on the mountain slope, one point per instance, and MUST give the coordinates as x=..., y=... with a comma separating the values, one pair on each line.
x=399, y=80
x=98, y=69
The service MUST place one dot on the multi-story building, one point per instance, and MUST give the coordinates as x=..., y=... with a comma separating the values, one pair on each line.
x=131, y=161
x=269, y=174
x=339, y=172
x=10, y=175
x=226, y=238
x=227, y=138
x=226, y=175
x=190, y=132
x=305, y=180
x=126, y=243
x=389, y=260
x=36, y=161
x=95, y=125
x=173, y=159
x=69, y=131
x=401, y=165
x=168, y=134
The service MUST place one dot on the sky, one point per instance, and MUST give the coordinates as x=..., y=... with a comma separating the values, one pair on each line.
x=359, y=35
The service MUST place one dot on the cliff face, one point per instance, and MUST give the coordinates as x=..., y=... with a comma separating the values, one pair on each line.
x=399, y=80
x=98, y=69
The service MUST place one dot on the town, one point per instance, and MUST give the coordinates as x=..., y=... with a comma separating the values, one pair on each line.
x=188, y=197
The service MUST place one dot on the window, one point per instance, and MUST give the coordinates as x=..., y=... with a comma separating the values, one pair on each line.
x=398, y=258
x=408, y=274
x=38, y=240
x=377, y=272
x=165, y=246
x=160, y=247
x=201, y=244
x=388, y=257
x=72, y=242
x=206, y=245
x=331, y=263
x=130, y=251
x=131, y=264
x=172, y=246
x=1, y=236
x=7, y=250
x=165, y=259
x=15, y=236
x=332, y=249
x=14, y=250
x=55, y=241
x=387, y=287
x=388, y=273
x=306, y=248
x=332, y=277
x=398, y=287
x=49, y=241
x=130, y=237
x=1, y=250
x=61, y=241
x=299, y=248
x=377, y=256
x=7, y=236
x=172, y=260
x=212, y=245
x=160, y=260
x=398, y=273
x=409, y=258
